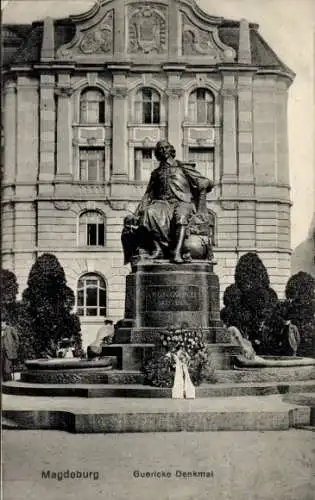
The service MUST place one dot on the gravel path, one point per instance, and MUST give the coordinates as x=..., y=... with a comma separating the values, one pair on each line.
x=240, y=465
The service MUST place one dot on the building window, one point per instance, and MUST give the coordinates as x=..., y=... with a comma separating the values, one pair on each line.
x=92, y=107
x=92, y=229
x=91, y=295
x=92, y=164
x=145, y=163
x=204, y=159
x=201, y=107
x=148, y=106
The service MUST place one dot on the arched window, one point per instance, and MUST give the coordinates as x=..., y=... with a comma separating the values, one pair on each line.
x=148, y=106
x=92, y=106
x=201, y=107
x=91, y=295
x=92, y=229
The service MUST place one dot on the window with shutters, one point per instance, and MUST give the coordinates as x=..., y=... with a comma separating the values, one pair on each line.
x=204, y=159
x=92, y=107
x=91, y=295
x=145, y=163
x=92, y=164
x=92, y=229
x=147, y=106
x=201, y=107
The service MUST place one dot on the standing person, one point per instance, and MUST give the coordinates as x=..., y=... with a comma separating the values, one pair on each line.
x=9, y=350
x=289, y=339
x=104, y=336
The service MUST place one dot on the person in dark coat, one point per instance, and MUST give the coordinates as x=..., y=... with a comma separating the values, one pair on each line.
x=9, y=350
x=289, y=339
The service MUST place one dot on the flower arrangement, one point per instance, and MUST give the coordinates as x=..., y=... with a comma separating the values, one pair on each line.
x=189, y=346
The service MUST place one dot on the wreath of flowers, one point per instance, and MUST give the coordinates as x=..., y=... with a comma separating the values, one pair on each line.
x=159, y=370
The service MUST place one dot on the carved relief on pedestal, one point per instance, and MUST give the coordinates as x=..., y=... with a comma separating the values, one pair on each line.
x=91, y=40
x=147, y=29
x=204, y=42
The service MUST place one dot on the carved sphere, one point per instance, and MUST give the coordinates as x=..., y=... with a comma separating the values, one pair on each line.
x=197, y=246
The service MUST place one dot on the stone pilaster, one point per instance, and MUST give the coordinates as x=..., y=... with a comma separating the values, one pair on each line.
x=48, y=44
x=175, y=112
x=119, y=31
x=27, y=130
x=245, y=128
x=120, y=138
x=229, y=160
x=47, y=128
x=64, y=129
x=244, y=49
x=282, y=134
x=9, y=122
x=25, y=226
x=174, y=36
x=264, y=123
x=7, y=226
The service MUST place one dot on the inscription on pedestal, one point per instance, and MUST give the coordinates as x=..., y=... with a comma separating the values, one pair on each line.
x=172, y=298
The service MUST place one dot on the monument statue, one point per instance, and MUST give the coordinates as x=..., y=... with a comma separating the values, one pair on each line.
x=171, y=212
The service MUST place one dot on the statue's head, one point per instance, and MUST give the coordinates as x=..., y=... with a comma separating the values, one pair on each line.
x=164, y=150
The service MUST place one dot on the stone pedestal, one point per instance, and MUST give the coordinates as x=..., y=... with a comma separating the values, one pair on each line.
x=162, y=295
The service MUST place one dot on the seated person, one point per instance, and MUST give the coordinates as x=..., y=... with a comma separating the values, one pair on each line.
x=104, y=336
x=65, y=348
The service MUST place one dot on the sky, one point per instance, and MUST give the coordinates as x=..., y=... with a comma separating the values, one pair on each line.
x=289, y=27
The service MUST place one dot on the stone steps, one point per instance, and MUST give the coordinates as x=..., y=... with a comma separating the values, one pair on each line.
x=133, y=376
x=100, y=415
x=226, y=390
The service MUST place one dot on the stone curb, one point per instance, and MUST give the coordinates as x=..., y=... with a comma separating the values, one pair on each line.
x=76, y=422
x=143, y=391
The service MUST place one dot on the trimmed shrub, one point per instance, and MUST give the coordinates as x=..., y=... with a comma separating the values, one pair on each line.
x=300, y=295
x=46, y=310
x=9, y=290
x=250, y=300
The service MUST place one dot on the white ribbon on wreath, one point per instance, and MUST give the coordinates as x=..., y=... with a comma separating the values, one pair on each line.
x=183, y=386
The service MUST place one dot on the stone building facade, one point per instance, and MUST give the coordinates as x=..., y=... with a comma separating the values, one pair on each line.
x=86, y=98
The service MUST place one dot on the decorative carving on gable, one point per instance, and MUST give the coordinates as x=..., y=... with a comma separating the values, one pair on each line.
x=99, y=40
x=91, y=39
x=197, y=41
x=147, y=29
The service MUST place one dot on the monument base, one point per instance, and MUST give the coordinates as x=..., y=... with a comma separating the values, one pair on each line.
x=162, y=295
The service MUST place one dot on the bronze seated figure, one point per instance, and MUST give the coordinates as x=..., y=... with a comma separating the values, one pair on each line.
x=171, y=221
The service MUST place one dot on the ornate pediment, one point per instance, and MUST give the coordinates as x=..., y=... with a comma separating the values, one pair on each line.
x=93, y=38
x=142, y=28
x=147, y=28
x=204, y=41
